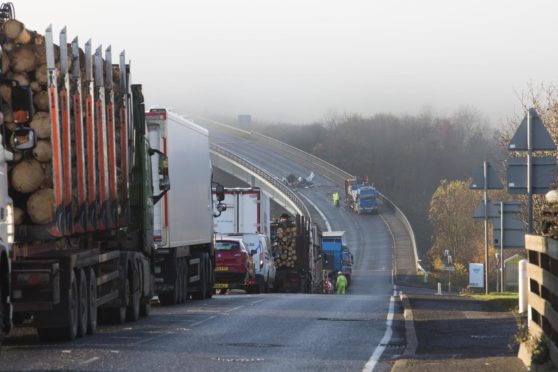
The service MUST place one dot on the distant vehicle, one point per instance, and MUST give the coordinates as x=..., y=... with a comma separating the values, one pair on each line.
x=360, y=196
x=233, y=264
x=337, y=254
x=259, y=247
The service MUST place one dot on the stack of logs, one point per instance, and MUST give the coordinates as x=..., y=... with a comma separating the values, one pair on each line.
x=31, y=182
x=285, y=236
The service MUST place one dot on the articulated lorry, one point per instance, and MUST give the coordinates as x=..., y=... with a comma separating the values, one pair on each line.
x=86, y=242
x=360, y=196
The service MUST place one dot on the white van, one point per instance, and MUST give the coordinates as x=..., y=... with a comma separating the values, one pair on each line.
x=259, y=247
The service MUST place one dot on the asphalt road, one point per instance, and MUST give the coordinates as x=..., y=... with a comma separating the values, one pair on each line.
x=271, y=332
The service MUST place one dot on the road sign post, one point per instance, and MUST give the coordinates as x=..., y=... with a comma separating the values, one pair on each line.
x=489, y=181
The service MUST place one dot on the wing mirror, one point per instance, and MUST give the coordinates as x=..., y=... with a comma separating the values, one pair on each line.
x=24, y=138
x=220, y=192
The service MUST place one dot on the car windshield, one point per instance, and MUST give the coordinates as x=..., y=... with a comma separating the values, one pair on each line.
x=226, y=246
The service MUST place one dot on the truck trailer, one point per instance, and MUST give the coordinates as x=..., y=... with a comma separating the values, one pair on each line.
x=86, y=245
x=183, y=218
x=248, y=211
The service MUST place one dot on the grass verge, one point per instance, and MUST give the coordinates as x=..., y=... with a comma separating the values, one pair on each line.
x=507, y=301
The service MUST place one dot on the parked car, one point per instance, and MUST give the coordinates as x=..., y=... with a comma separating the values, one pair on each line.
x=259, y=247
x=234, y=266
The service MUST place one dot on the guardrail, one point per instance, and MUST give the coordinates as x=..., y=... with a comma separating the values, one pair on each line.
x=266, y=176
x=333, y=172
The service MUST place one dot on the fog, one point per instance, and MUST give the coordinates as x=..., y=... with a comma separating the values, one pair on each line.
x=300, y=60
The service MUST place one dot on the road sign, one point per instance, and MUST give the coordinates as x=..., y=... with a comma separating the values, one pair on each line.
x=476, y=278
x=540, y=138
x=543, y=174
x=491, y=210
x=492, y=181
x=449, y=268
x=514, y=228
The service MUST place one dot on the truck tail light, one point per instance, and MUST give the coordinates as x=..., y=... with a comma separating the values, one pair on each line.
x=30, y=278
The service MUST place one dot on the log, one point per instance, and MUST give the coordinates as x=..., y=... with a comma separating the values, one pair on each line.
x=13, y=28
x=41, y=124
x=19, y=216
x=48, y=181
x=27, y=176
x=43, y=151
x=8, y=47
x=40, y=206
x=23, y=59
x=41, y=74
x=22, y=78
x=35, y=86
x=41, y=101
x=6, y=94
x=5, y=61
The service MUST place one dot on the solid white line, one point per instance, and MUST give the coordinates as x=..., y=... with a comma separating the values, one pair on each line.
x=328, y=226
x=202, y=321
x=377, y=354
x=89, y=360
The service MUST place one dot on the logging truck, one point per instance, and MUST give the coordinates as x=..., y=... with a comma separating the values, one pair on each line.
x=298, y=255
x=86, y=191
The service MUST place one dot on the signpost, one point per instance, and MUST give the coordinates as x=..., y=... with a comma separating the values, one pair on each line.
x=486, y=180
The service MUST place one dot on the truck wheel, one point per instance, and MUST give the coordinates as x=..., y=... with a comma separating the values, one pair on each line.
x=71, y=330
x=202, y=287
x=133, y=293
x=92, y=302
x=117, y=315
x=83, y=307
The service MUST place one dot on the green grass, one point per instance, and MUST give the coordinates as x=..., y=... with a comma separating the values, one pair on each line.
x=507, y=301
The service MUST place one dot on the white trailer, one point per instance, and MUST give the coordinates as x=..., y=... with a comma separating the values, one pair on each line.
x=183, y=219
x=248, y=211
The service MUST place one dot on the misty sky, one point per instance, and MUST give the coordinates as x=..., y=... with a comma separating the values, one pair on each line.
x=301, y=60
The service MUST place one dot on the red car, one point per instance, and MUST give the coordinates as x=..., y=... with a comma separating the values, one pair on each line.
x=234, y=267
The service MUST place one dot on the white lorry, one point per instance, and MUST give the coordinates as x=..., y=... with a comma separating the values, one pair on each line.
x=248, y=211
x=183, y=223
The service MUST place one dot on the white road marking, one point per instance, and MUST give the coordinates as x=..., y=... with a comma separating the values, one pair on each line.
x=202, y=321
x=328, y=226
x=377, y=354
x=66, y=351
x=89, y=360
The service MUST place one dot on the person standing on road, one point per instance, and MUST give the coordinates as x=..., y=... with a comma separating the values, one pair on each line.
x=335, y=197
x=341, y=283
